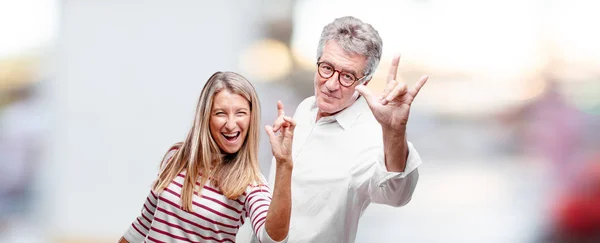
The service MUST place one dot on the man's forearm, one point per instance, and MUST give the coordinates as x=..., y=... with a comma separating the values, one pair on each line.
x=395, y=148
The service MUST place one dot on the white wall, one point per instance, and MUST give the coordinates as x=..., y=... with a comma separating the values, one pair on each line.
x=128, y=74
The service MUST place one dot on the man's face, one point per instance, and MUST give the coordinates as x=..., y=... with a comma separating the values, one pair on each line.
x=330, y=95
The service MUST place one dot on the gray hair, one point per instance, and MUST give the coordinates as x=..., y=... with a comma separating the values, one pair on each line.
x=356, y=37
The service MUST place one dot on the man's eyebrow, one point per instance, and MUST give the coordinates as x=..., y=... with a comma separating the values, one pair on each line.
x=344, y=70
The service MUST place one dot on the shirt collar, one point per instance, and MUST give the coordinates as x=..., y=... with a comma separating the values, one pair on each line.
x=346, y=117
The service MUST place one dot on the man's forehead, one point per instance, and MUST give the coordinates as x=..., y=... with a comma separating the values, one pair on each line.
x=334, y=54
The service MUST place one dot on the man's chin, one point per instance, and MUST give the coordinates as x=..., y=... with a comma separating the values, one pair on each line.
x=326, y=108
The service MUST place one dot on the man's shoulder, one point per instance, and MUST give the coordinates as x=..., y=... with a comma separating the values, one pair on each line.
x=305, y=106
x=307, y=103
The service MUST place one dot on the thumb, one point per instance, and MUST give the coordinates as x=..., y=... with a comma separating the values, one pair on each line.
x=269, y=130
x=365, y=92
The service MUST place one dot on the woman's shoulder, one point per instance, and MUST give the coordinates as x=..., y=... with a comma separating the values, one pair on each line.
x=170, y=153
x=255, y=192
x=260, y=185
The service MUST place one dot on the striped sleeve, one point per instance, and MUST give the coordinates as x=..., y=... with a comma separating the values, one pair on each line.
x=257, y=204
x=141, y=225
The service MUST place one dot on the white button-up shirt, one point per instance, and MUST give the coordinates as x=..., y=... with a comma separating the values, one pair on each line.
x=339, y=169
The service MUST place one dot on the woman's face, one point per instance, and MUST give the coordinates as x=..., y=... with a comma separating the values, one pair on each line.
x=229, y=120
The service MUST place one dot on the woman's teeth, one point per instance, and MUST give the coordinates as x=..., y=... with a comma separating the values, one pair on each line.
x=231, y=136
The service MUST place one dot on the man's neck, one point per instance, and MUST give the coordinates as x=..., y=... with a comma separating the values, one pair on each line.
x=321, y=114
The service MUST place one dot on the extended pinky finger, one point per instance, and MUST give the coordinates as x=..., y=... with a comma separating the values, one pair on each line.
x=419, y=85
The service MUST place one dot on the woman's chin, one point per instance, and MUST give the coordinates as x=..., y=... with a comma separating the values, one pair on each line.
x=230, y=150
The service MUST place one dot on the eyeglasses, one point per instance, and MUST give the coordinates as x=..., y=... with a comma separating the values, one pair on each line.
x=345, y=78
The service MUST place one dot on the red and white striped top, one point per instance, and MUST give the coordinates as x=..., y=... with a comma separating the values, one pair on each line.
x=215, y=218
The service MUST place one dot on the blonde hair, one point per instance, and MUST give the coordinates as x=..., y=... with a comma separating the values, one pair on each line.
x=200, y=155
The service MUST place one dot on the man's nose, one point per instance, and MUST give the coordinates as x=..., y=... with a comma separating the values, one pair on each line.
x=332, y=83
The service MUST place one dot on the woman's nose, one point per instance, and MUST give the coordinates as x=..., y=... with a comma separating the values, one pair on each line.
x=230, y=124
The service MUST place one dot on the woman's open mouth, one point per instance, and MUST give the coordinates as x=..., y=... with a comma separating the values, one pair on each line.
x=231, y=137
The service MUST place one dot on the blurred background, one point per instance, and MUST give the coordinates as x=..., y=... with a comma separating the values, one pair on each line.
x=93, y=93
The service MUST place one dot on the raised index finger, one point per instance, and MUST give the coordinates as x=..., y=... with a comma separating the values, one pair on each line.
x=394, y=68
x=280, y=111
